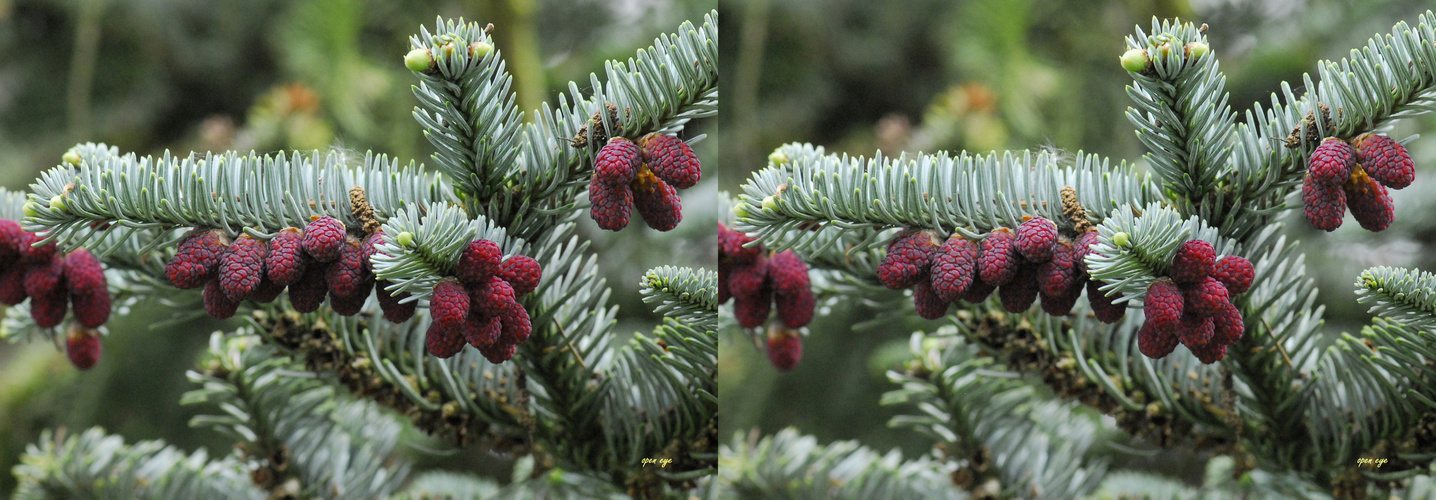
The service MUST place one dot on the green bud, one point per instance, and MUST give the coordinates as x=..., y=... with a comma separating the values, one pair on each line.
x=1196, y=50
x=71, y=158
x=405, y=239
x=32, y=209
x=1121, y=239
x=1165, y=50
x=777, y=158
x=741, y=209
x=418, y=60
x=479, y=50
x=1135, y=60
x=770, y=203
x=57, y=202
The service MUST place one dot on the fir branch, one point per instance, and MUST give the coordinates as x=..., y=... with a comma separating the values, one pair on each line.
x=258, y=195
x=292, y=426
x=387, y=363
x=1037, y=447
x=468, y=110
x=448, y=485
x=969, y=194
x=12, y=204
x=1402, y=295
x=790, y=465
x=1153, y=234
x=527, y=176
x=1128, y=484
x=687, y=295
x=1372, y=389
x=1182, y=115
x=563, y=484
x=669, y=384
x=95, y=465
x=1393, y=77
x=440, y=235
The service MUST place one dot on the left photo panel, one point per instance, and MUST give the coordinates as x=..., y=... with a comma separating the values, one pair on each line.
x=354, y=249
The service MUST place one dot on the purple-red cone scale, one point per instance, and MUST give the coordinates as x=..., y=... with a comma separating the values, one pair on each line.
x=241, y=267
x=323, y=237
x=1385, y=160
x=1163, y=305
x=522, y=272
x=671, y=159
x=997, y=262
x=785, y=349
x=1369, y=201
x=617, y=163
x=1323, y=204
x=1236, y=273
x=610, y=205
x=657, y=202
x=286, y=260
x=1036, y=239
x=1331, y=162
x=954, y=267
x=907, y=260
x=1193, y=262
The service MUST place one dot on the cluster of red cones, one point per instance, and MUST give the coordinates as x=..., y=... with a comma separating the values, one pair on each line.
x=1033, y=261
x=322, y=261
x=1355, y=175
x=479, y=306
x=759, y=282
x=1194, y=305
x=55, y=284
x=645, y=175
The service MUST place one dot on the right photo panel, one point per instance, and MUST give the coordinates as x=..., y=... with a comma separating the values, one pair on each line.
x=1077, y=249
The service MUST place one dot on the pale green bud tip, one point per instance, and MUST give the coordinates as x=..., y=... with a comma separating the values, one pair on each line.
x=405, y=239
x=1135, y=60
x=57, y=202
x=777, y=158
x=71, y=158
x=770, y=203
x=1121, y=239
x=1196, y=49
x=418, y=60
x=740, y=209
x=479, y=50
x=32, y=209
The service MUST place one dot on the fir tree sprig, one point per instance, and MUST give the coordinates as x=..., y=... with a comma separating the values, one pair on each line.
x=1181, y=112
x=1394, y=76
x=96, y=465
x=12, y=204
x=468, y=110
x=971, y=194
x=1150, y=237
x=238, y=193
x=686, y=295
x=448, y=484
x=375, y=357
x=527, y=176
x=1372, y=388
x=790, y=465
x=437, y=237
x=1041, y=448
x=1402, y=295
x=291, y=424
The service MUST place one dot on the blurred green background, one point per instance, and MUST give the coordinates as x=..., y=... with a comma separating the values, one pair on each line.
x=269, y=75
x=856, y=76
